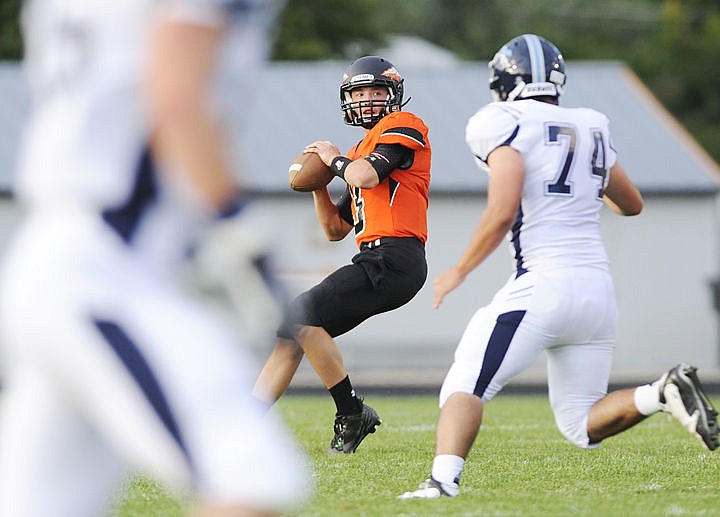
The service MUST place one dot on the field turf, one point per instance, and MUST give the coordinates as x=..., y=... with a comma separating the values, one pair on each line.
x=520, y=466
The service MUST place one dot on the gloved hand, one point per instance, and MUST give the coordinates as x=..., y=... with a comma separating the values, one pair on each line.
x=234, y=256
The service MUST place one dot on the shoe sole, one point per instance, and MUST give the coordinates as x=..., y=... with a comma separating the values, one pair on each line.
x=706, y=425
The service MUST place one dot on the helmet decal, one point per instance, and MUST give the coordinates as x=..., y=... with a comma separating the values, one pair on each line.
x=393, y=74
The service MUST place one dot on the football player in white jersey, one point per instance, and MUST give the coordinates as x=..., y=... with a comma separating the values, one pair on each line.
x=550, y=170
x=110, y=367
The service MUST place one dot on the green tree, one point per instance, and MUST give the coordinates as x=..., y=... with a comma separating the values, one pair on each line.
x=673, y=45
x=679, y=64
x=10, y=40
x=328, y=29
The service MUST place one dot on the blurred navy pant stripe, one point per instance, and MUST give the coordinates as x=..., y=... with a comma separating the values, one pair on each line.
x=132, y=358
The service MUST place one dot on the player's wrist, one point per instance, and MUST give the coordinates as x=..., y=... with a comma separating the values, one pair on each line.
x=339, y=164
x=236, y=204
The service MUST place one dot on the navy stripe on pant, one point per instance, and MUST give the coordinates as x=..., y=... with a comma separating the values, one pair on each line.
x=497, y=347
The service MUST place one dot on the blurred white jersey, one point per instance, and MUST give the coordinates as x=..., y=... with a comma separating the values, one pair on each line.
x=568, y=155
x=108, y=365
x=86, y=142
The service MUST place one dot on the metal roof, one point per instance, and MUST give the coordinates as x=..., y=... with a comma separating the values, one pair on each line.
x=295, y=103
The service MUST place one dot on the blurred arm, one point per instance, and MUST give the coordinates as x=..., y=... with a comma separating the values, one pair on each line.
x=187, y=139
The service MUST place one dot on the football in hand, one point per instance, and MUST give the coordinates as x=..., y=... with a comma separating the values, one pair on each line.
x=308, y=172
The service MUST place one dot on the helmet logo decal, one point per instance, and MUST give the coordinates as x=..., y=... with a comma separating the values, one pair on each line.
x=501, y=60
x=393, y=74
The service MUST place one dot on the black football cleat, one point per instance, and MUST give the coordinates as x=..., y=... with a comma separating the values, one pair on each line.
x=682, y=396
x=350, y=430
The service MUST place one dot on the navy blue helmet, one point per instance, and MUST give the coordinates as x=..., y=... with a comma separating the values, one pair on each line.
x=527, y=66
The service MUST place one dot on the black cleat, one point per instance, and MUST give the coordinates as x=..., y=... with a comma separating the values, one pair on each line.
x=682, y=396
x=350, y=430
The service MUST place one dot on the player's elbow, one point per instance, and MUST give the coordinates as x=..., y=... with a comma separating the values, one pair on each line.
x=335, y=236
x=334, y=232
x=632, y=204
x=636, y=205
x=502, y=218
x=626, y=206
x=634, y=210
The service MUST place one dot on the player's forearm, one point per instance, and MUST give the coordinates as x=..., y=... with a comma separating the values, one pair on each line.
x=328, y=216
x=488, y=235
x=187, y=139
x=360, y=173
x=197, y=162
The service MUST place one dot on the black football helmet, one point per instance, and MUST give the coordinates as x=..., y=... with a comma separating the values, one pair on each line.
x=370, y=71
x=527, y=66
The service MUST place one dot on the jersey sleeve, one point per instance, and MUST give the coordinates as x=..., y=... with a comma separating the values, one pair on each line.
x=405, y=129
x=388, y=157
x=491, y=127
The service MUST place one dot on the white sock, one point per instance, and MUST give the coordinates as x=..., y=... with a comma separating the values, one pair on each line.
x=647, y=398
x=447, y=468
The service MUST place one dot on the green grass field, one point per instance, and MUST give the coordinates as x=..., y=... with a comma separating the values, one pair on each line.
x=520, y=466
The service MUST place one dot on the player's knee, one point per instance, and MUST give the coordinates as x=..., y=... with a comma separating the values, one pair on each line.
x=289, y=349
x=445, y=392
x=573, y=427
x=448, y=391
x=460, y=379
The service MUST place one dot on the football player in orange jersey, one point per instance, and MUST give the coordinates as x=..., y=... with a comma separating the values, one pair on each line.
x=388, y=177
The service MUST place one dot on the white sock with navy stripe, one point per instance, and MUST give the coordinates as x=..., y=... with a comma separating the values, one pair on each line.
x=447, y=468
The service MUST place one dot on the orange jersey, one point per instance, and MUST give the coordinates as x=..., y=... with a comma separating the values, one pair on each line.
x=397, y=206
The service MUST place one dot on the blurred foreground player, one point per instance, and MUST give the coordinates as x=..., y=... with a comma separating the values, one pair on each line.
x=110, y=368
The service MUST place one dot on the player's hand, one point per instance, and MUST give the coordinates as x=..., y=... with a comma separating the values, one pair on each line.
x=325, y=149
x=234, y=258
x=445, y=283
